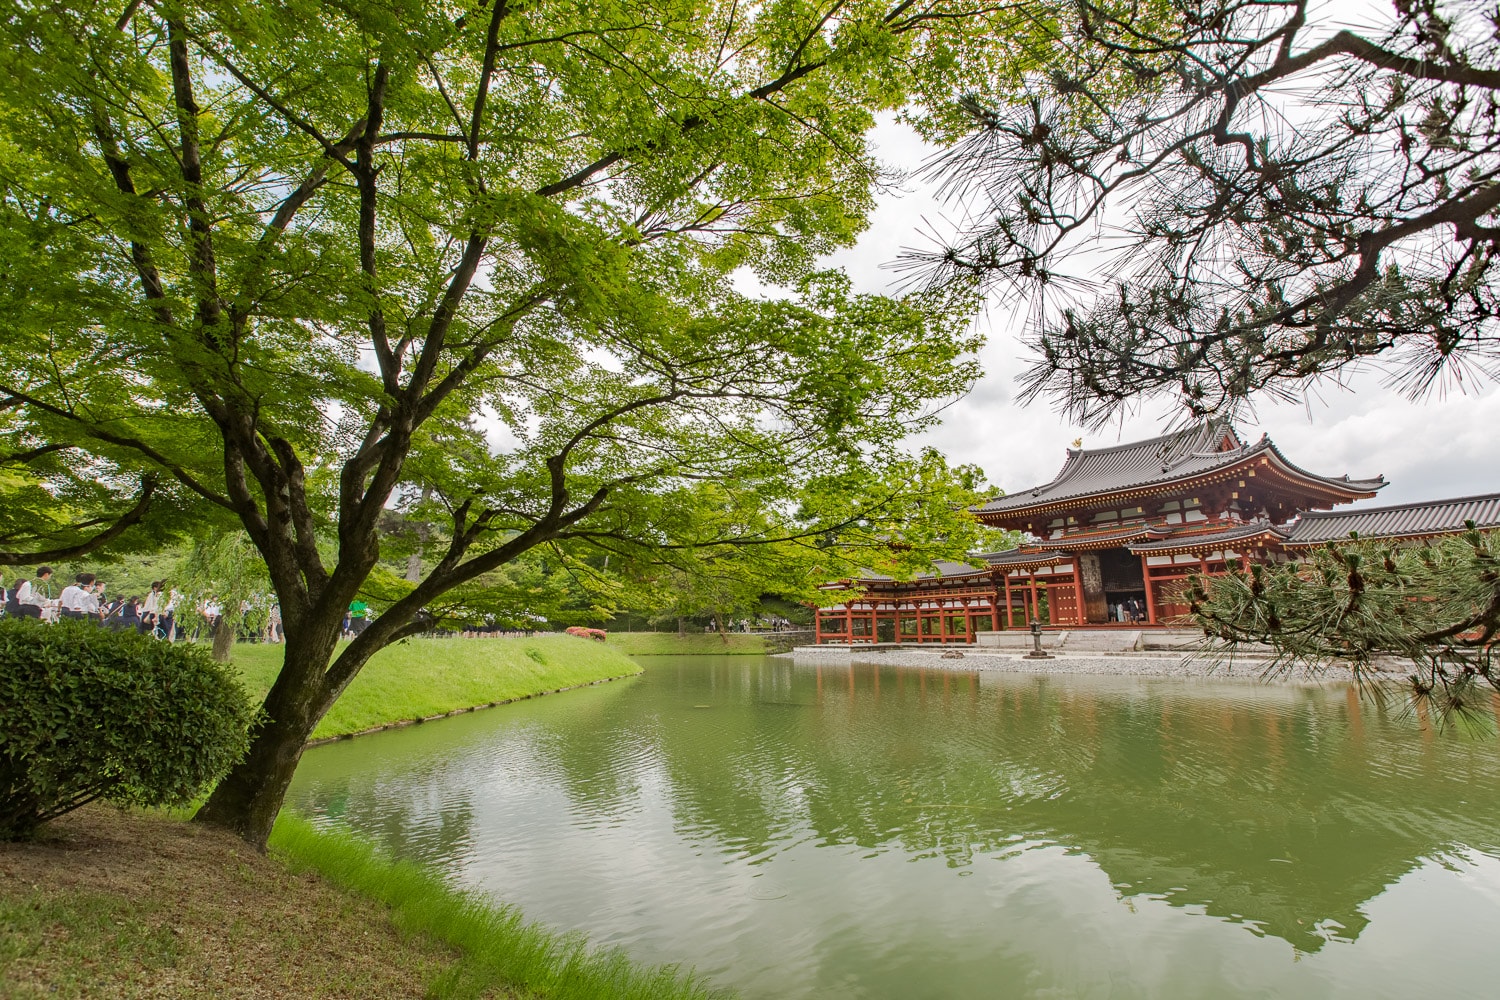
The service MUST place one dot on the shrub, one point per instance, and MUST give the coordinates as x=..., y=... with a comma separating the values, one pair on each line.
x=87, y=713
x=597, y=634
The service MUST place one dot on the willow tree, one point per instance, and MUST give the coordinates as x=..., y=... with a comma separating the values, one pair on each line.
x=310, y=262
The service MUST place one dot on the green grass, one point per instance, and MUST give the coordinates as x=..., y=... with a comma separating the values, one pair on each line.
x=87, y=931
x=497, y=947
x=421, y=678
x=669, y=643
x=134, y=905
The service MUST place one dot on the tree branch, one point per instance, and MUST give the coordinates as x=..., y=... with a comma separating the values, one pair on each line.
x=122, y=524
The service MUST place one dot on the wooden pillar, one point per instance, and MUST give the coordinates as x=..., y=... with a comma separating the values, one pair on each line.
x=1009, y=622
x=1080, y=615
x=1091, y=580
x=968, y=624
x=1036, y=605
x=942, y=620
x=817, y=626
x=995, y=610
x=874, y=625
x=1150, y=595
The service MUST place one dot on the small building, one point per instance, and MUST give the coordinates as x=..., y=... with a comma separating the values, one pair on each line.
x=1111, y=539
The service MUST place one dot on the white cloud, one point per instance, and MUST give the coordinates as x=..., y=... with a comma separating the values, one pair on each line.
x=1430, y=449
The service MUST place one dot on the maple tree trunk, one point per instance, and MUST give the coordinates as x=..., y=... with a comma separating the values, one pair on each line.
x=247, y=800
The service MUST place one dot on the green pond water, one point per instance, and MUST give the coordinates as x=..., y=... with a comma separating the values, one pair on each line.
x=793, y=831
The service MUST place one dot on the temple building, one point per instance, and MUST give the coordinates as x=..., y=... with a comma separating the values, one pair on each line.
x=1110, y=540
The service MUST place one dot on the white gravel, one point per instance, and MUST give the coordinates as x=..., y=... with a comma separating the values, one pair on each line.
x=1149, y=664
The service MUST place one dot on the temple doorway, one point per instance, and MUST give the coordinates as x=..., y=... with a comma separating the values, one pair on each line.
x=1124, y=581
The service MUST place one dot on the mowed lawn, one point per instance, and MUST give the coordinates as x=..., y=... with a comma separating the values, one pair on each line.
x=109, y=903
x=699, y=643
x=420, y=678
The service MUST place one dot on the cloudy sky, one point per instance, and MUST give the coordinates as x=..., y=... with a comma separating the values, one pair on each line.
x=1441, y=447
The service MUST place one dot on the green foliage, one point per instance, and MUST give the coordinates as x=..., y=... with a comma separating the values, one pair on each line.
x=475, y=266
x=87, y=713
x=226, y=567
x=499, y=949
x=1435, y=606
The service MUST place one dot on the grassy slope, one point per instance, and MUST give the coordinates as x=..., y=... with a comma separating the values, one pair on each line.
x=668, y=643
x=113, y=904
x=116, y=904
x=421, y=678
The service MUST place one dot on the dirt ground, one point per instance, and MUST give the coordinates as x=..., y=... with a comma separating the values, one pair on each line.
x=115, y=904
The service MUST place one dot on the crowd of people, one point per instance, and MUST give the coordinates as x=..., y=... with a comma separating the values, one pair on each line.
x=163, y=611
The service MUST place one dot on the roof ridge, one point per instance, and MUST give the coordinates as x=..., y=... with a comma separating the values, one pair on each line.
x=1320, y=514
x=1194, y=429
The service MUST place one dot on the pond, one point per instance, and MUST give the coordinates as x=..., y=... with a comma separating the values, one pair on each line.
x=798, y=831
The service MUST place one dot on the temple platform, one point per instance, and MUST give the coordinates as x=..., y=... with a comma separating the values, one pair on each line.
x=1146, y=653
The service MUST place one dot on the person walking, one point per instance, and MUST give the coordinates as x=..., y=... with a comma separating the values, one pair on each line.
x=168, y=624
x=32, y=597
x=358, y=616
x=151, y=608
x=126, y=615
x=76, y=601
x=98, y=605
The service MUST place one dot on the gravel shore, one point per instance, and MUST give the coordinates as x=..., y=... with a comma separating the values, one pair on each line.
x=1123, y=664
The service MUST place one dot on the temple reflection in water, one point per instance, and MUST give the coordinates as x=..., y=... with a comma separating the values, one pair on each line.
x=1286, y=810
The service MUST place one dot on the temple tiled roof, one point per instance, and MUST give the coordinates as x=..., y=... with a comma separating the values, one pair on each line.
x=942, y=569
x=1110, y=537
x=1180, y=455
x=945, y=570
x=1413, y=520
x=1259, y=528
x=1024, y=557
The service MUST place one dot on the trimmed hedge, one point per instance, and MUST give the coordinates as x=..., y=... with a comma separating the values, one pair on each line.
x=89, y=713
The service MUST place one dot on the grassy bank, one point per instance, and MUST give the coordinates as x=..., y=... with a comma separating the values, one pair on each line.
x=421, y=678
x=670, y=643
x=115, y=904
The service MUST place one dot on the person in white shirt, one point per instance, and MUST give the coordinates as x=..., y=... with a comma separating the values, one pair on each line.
x=76, y=601
x=31, y=598
x=151, y=608
x=169, y=615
